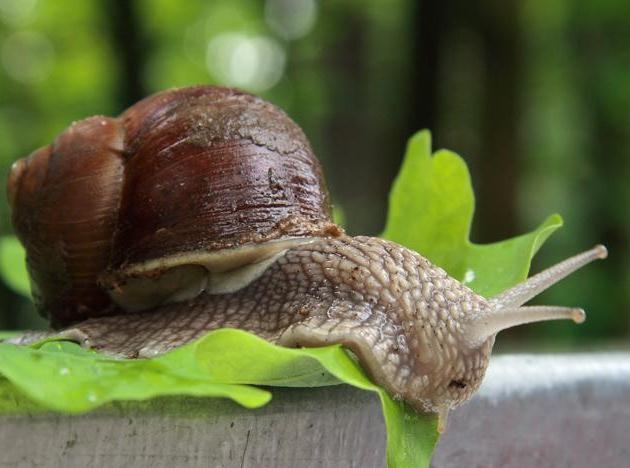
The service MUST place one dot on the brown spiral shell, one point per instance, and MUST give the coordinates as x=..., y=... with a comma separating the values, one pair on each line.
x=184, y=171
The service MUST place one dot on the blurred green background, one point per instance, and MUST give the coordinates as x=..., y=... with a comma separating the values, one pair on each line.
x=534, y=94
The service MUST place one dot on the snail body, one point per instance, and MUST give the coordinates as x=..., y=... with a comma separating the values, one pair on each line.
x=205, y=207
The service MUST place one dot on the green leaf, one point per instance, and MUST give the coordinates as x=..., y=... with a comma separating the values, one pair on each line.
x=430, y=211
x=411, y=436
x=13, y=265
x=62, y=376
x=13, y=401
x=339, y=215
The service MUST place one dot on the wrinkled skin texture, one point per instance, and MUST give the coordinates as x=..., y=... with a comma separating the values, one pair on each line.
x=401, y=316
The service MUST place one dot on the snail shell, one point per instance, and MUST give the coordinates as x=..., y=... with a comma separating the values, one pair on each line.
x=132, y=212
x=205, y=207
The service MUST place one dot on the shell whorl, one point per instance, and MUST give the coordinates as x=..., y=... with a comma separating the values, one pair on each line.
x=62, y=198
x=212, y=168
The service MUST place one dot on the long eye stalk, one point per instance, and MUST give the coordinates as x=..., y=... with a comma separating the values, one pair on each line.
x=507, y=310
x=531, y=287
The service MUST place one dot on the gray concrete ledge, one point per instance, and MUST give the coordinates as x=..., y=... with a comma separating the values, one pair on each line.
x=532, y=411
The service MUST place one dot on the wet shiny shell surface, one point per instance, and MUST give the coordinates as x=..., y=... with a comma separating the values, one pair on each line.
x=209, y=168
x=187, y=170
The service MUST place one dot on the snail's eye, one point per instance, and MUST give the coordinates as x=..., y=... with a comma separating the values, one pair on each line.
x=457, y=383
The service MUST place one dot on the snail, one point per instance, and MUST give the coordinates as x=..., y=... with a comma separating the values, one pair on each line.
x=205, y=207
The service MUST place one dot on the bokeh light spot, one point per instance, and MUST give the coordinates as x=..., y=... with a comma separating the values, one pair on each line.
x=28, y=56
x=17, y=12
x=291, y=19
x=254, y=63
